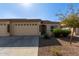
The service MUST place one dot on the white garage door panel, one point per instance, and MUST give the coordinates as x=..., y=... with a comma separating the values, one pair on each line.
x=25, y=30
x=3, y=31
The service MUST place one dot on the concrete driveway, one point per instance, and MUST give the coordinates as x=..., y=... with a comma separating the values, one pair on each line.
x=27, y=46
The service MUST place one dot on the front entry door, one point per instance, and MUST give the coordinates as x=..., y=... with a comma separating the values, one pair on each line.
x=43, y=29
x=8, y=28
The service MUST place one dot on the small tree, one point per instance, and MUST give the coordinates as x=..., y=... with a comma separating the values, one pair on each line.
x=71, y=20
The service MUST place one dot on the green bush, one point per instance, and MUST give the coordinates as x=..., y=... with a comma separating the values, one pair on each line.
x=60, y=32
x=57, y=32
x=65, y=33
x=46, y=36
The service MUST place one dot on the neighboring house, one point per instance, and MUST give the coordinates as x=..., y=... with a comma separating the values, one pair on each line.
x=22, y=27
x=68, y=28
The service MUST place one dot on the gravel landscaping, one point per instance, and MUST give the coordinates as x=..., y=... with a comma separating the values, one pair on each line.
x=62, y=45
x=45, y=45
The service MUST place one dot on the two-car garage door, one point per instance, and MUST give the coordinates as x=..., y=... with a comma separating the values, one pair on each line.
x=25, y=29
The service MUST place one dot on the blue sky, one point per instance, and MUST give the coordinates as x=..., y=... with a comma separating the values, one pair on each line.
x=44, y=11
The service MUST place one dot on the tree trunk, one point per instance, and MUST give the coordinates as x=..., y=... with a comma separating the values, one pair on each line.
x=72, y=34
x=71, y=37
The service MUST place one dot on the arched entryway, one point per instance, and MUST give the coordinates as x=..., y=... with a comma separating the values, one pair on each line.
x=43, y=29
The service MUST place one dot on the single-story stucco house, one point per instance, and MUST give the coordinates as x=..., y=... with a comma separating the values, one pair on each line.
x=21, y=27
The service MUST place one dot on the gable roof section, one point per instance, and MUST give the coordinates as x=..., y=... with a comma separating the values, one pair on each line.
x=49, y=22
x=35, y=20
x=30, y=20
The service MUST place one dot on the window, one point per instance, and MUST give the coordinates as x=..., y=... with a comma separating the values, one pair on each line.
x=35, y=24
x=27, y=24
x=4, y=24
x=52, y=27
x=24, y=24
x=32, y=24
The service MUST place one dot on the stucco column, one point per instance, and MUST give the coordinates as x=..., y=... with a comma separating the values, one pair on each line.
x=10, y=28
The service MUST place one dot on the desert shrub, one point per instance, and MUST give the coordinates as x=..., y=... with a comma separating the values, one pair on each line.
x=57, y=32
x=46, y=36
x=65, y=33
x=60, y=32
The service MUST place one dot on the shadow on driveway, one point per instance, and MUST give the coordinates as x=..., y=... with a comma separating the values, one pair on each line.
x=15, y=41
x=48, y=42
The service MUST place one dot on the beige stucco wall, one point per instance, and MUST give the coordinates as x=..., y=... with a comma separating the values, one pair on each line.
x=3, y=28
x=23, y=28
x=30, y=29
x=77, y=31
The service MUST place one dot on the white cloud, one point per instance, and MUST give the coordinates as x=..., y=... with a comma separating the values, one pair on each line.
x=25, y=4
x=39, y=1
